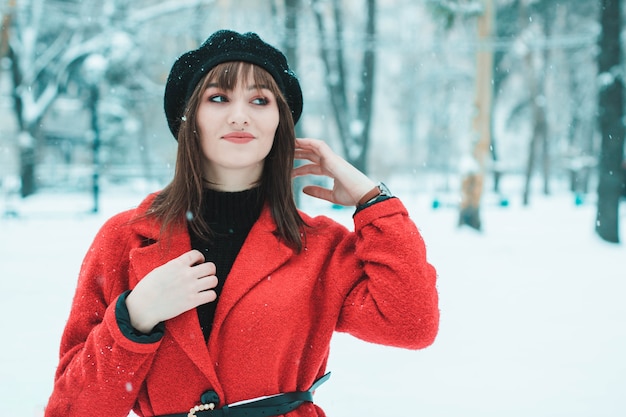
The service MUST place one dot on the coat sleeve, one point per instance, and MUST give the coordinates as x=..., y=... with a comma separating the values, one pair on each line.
x=100, y=370
x=392, y=299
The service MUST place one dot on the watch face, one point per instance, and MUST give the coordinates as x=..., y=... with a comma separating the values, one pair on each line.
x=384, y=190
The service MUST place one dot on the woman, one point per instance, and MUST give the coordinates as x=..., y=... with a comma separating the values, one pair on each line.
x=217, y=290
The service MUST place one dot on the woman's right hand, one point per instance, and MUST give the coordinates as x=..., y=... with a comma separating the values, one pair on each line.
x=171, y=289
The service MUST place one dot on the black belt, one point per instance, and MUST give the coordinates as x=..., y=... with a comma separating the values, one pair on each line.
x=264, y=407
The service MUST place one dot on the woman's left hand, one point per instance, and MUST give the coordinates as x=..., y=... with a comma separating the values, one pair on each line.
x=349, y=184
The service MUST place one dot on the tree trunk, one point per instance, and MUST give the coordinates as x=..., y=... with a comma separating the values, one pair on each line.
x=334, y=78
x=539, y=134
x=530, y=165
x=472, y=183
x=610, y=115
x=290, y=46
x=27, y=165
x=506, y=16
x=4, y=32
x=534, y=80
x=26, y=138
x=550, y=23
x=354, y=135
x=290, y=42
x=366, y=95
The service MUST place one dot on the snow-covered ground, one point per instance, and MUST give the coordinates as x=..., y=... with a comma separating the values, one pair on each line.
x=533, y=313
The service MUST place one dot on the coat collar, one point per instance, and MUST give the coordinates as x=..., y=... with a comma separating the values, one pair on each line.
x=261, y=254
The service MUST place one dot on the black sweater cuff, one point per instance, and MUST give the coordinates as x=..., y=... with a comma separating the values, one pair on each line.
x=371, y=203
x=123, y=321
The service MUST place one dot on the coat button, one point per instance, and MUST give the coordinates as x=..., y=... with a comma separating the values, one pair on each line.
x=210, y=397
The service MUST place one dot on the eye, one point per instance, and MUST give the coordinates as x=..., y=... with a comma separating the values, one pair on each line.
x=261, y=101
x=218, y=98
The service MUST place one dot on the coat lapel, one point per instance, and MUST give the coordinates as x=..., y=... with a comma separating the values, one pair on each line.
x=185, y=328
x=261, y=254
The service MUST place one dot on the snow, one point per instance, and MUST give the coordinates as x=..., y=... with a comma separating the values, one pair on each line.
x=533, y=312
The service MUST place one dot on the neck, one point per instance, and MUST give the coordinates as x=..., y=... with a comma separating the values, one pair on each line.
x=232, y=180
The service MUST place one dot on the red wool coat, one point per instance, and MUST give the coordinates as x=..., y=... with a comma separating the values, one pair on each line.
x=274, y=319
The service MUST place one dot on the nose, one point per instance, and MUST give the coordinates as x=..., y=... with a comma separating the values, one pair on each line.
x=238, y=116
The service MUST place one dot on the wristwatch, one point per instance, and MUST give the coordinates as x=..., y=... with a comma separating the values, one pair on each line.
x=380, y=190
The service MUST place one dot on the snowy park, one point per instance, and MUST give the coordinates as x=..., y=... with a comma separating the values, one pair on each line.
x=532, y=311
x=533, y=305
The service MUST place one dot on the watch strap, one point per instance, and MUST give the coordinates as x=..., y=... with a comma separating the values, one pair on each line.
x=380, y=190
x=369, y=196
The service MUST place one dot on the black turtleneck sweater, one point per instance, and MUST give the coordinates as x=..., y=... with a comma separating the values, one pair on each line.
x=230, y=215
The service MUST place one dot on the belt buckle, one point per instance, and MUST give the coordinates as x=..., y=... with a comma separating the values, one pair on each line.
x=201, y=407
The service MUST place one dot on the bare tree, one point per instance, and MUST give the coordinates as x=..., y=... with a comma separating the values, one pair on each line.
x=610, y=121
x=44, y=51
x=473, y=180
x=47, y=45
x=534, y=61
x=541, y=36
x=474, y=166
x=289, y=20
x=353, y=117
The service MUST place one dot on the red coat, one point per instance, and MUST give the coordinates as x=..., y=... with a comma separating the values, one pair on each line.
x=274, y=320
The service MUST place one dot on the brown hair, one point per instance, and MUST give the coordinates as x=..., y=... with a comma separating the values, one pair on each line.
x=181, y=198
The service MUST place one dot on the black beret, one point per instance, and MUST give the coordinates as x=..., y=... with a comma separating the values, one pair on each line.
x=226, y=46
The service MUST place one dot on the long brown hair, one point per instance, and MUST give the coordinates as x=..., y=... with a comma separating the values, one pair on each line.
x=181, y=199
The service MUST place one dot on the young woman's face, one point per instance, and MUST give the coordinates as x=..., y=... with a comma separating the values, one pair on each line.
x=236, y=129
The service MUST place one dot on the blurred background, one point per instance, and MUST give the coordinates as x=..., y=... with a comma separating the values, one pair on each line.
x=457, y=96
x=499, y=123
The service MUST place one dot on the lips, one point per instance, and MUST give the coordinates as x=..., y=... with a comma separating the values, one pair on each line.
x=238, y=137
